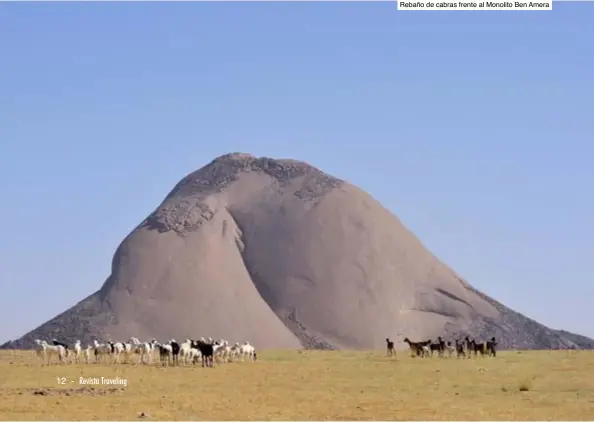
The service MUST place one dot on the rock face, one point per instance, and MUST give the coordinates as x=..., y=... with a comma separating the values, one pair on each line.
x=283, y=255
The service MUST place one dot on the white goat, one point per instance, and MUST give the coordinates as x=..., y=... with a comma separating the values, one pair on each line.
x=425, y=351
x=102, y=351
x=142, y=349
x=147, y=353
x=226, y=353
x=134, y=347
x=235, y=352
x=51, y=350
x=40, y=350
x=88, y=353
x=194, y=355
x=185, y=351
x=76, y=350
x=449, y=348
x=220, y=350
x=154, y=344
x=128, y=350
x=247, y=350
x=117, y=349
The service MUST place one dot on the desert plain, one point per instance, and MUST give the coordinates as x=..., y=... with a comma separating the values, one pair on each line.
x=308, y=385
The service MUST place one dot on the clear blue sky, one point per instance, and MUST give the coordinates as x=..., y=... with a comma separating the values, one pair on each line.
x=475, y=128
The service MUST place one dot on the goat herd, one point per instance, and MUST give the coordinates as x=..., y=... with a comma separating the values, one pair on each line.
x=463, y=349
x=135, y=351
x=208, y=351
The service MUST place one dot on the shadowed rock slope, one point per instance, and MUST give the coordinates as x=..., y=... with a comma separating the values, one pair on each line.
x=283, y=255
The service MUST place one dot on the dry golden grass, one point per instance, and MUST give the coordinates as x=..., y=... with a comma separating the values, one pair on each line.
x=310, y=385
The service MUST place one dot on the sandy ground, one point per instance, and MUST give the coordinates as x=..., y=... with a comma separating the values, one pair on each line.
x=316, y=385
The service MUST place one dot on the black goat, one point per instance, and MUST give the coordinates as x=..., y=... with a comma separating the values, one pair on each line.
x=491, y=344
x=206, y=350
x=389, y=347
x=174, y=351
